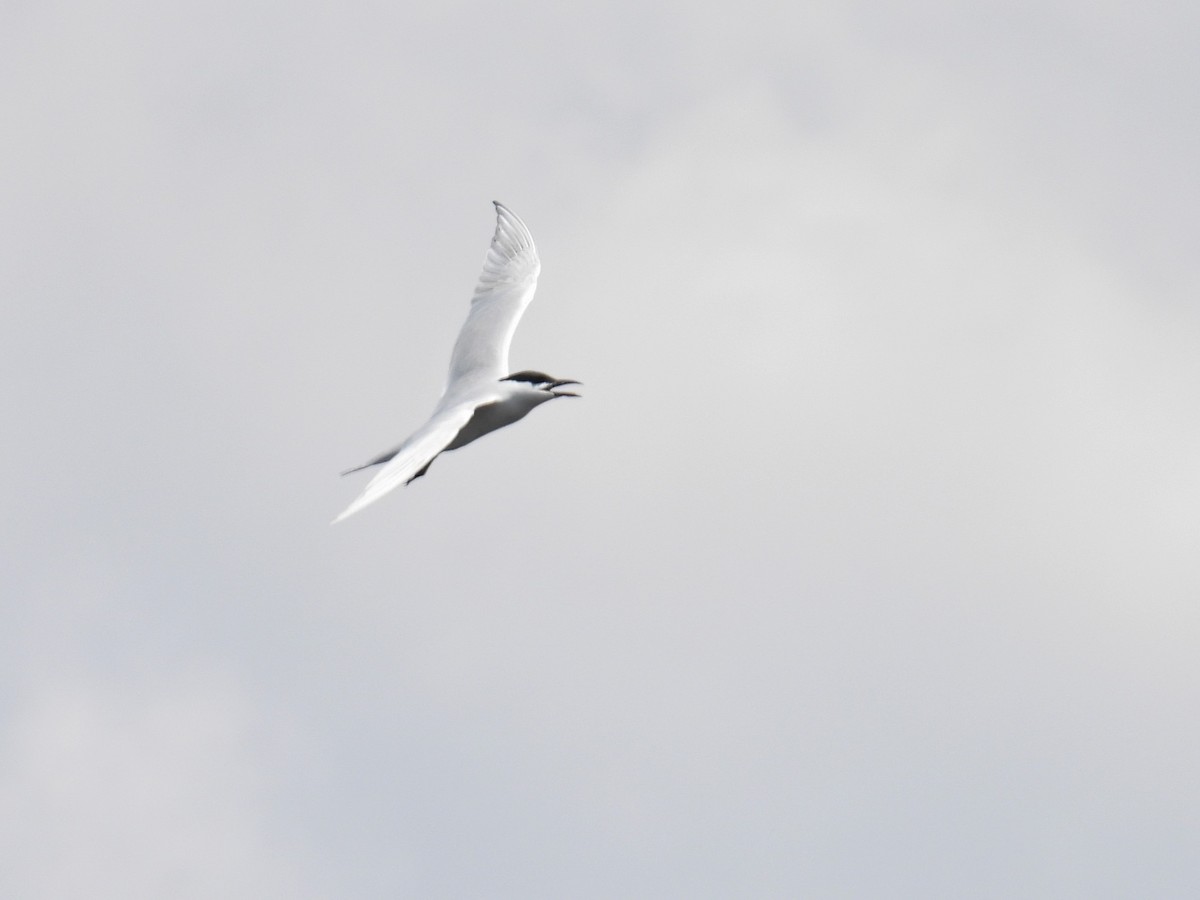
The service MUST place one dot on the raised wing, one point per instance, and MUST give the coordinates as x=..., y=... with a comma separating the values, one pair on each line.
x=505, y=287
x=414, y=455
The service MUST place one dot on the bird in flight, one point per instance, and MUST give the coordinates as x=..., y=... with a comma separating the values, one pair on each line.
x=481, y=393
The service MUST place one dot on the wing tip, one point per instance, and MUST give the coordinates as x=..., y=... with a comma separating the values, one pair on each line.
x=512, y=234
x=360, y=501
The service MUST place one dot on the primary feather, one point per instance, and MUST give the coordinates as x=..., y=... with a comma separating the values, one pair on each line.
x=414, y=456
x=505, y=287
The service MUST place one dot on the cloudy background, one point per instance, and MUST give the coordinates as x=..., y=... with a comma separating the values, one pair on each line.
x=867, y=567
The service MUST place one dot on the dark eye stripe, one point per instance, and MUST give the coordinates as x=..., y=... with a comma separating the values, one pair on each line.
x=530, y=376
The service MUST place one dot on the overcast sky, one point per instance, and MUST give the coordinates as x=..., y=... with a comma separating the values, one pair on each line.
x=867, y=567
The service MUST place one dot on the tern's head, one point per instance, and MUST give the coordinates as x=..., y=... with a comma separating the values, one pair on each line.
x=540, y=381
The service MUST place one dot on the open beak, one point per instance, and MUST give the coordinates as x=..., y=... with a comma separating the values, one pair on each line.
x=557, y=384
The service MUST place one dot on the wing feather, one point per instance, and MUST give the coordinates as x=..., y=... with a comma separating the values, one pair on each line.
x=414, y=455
x=505, y=287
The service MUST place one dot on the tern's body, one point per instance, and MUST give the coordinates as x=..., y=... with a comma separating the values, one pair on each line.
x=481, y=396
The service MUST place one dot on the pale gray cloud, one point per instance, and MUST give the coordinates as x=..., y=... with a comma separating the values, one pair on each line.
x=118, y=789
x=864, y=569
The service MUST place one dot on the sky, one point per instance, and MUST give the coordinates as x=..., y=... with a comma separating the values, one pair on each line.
x=866, y=567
